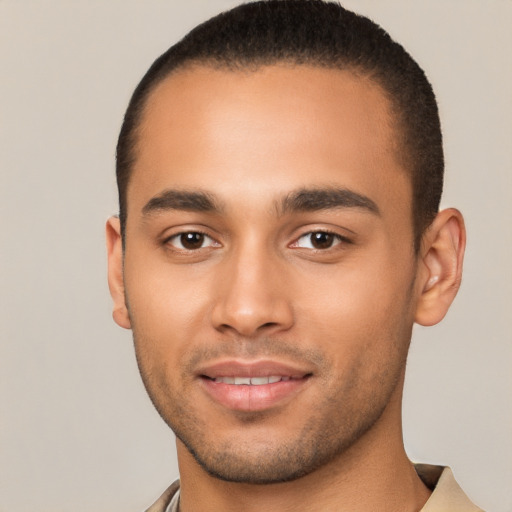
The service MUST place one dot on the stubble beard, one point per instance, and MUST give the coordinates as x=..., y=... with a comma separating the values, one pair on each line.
x=312, y=449
x=332, y=428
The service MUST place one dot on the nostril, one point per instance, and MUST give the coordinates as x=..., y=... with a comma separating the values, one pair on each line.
x=268, y=324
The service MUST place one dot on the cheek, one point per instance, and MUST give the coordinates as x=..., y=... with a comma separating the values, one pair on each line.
x=360, y=295
x=167, y=309
x=361, y=312
x=161, y=295
x=167, y=315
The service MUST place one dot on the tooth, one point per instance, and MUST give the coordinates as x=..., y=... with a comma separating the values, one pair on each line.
x=259, y=381
x=254, y=381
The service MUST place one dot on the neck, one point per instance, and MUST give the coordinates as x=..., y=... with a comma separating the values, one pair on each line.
x=373, y=474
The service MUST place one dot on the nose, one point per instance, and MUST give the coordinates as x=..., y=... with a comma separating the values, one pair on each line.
x=252, y=296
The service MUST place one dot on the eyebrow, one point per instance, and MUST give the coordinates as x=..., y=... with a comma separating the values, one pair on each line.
x=302, y=200
x=308, y=200
x=193, y=201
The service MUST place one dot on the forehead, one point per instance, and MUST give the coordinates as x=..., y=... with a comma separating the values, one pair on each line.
x=266, y=128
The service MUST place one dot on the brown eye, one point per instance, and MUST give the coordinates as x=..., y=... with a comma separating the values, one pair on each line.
x=318, y=240
x=322, y=240
x=191, y=241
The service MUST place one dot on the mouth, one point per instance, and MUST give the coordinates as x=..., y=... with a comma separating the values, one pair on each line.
x=252, y=381
x=253, y=386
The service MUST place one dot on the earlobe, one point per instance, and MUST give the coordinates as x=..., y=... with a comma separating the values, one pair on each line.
x=442, y=255
x=115, y=272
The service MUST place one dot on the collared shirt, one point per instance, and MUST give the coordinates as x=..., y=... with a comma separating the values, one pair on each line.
x=446, y=495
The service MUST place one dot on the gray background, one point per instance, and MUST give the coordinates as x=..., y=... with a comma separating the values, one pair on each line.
x=77, y=431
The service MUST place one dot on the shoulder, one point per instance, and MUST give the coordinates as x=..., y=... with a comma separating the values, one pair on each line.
x=446, y=492
x=162, y=503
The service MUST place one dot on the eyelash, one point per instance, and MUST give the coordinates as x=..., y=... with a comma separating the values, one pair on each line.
x=177, y=236
x=336, y=240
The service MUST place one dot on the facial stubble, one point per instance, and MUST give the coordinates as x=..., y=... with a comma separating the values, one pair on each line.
x=345, y=413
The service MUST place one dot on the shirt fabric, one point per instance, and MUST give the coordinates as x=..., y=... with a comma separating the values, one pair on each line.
x=446, y=495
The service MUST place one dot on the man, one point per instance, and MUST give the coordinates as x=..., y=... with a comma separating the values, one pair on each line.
x=279, y=173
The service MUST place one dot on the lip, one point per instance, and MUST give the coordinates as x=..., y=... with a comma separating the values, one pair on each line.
x=252, y=398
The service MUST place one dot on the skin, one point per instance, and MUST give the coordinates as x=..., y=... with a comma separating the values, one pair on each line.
x=253, y=286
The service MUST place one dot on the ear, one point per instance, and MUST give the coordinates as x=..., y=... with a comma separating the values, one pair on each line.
x=442, y=255
x=115, y=272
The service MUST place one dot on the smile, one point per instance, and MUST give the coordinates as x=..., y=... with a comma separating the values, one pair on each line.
x=253, y=386
x=251, y=381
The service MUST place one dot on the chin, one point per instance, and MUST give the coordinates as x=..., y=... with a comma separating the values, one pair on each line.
x=263, y=469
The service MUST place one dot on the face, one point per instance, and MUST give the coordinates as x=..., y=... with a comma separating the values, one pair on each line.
x=269, y=269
